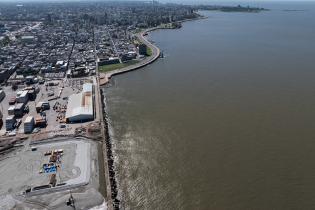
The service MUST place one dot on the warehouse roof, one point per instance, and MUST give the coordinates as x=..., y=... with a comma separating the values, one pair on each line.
x=87, y=87
x=80, y=106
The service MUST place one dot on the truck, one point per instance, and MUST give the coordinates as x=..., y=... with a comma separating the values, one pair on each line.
x=42, y=106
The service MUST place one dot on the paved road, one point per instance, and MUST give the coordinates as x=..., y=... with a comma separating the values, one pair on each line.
x=12, y=34
x=104, y=77
x=113, y=43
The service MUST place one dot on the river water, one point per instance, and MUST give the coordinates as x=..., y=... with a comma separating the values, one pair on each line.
x=226, y=120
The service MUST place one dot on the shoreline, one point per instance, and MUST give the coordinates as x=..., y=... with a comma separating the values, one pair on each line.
x=104, y=78
x=112, y=199
x=110, y=177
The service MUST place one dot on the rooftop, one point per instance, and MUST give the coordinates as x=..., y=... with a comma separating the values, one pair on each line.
x=80, y=106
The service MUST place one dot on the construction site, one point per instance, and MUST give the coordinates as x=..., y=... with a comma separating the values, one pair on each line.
x=56, y=105
x=51, y=145
x=37, y=174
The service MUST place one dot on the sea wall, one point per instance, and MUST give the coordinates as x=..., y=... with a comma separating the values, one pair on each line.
x=109, y=157
x=104, y=79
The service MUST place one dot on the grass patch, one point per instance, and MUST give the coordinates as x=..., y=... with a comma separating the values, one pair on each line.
x=138, y=30
x=111, y=67
x=149, y=51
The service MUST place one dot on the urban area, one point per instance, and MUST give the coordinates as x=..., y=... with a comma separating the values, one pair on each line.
x=53, y=153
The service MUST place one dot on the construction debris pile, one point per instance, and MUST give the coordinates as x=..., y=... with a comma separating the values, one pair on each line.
x=54, y=161
x=52, y=167
x=61, y=110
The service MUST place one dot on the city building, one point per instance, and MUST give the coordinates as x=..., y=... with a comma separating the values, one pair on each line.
x=27, y=39
x=108, y=61
x=142, y=49
x=5, y=73
x=81, y=106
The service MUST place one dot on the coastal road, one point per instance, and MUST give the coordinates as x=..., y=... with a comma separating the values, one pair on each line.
x=104, y=77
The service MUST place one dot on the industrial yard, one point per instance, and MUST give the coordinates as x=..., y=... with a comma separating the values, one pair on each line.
x=55, y=150
x=45, y=112
x=44, y=154
x=50, y=169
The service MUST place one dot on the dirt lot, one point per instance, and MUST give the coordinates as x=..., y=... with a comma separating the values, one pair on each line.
x=20, y=170
x=28, y=163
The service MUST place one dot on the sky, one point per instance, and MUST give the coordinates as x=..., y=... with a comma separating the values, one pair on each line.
x=185, y=1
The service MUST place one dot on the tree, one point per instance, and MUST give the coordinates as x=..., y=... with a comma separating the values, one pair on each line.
x=5, y=41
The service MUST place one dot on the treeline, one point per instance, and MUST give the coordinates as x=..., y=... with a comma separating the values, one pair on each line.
x=238, y=8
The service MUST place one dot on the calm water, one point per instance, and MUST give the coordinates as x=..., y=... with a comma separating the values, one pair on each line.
x=226, y=120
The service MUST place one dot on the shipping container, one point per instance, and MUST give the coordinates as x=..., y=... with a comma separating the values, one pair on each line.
x=2, y=95
x=29, y=124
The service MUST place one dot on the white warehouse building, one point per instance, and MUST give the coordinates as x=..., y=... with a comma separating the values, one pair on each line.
x=81, y=106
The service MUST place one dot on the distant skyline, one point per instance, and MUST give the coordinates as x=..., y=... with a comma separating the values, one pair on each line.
x=177, y=1
x=258, y=3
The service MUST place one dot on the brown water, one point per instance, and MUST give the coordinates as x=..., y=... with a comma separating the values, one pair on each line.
x=225, y=121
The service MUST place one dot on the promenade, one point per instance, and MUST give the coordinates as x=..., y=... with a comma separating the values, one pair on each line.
x=104, y=77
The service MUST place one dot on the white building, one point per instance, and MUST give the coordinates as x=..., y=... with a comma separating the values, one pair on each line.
x=81, y=106
x=28, y=39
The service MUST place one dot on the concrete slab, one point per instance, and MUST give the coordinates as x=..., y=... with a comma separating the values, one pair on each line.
x=21, y=170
